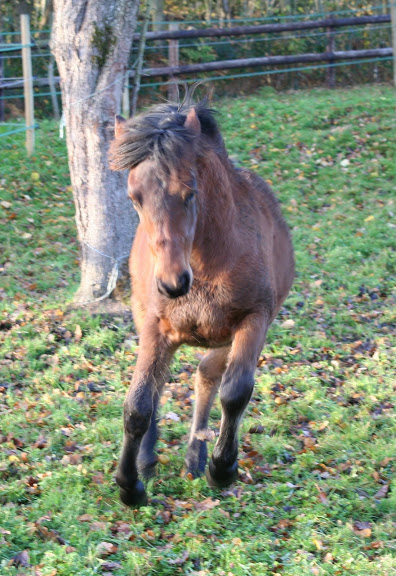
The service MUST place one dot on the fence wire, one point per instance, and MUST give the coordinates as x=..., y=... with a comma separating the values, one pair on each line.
x=17, y=130
x=377, y=8
x=267, y=72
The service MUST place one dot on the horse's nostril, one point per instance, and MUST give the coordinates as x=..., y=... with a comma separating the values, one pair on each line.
x=179, y=289
x=184, y=281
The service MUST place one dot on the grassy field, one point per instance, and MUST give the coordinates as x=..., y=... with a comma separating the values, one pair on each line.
x=317, y=448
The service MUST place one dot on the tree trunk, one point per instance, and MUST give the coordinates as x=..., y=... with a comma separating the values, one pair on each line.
x=91, y=41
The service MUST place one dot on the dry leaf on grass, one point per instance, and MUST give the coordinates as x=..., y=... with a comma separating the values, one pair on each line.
x=207, y=504
x=20, y=559
x=382, y=492
x=98, y=526
x=106, y=548
x=85, y=518
x=110, y=566
x=362, y=529
x=181, y=560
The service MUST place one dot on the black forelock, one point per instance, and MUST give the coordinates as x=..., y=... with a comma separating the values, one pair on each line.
x=160, y=134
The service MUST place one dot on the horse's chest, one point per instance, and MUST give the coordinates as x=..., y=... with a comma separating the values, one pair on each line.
x=204, y=317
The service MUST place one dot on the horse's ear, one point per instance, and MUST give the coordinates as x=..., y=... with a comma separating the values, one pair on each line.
x=192, y=121
x=119, y=126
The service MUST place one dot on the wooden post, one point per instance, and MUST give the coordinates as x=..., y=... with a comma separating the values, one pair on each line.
x=140, y=58
x=27, y=83
x=52, y=87
x=393, y=21
x=173, y=58
x=125, y=97
x=330, y=72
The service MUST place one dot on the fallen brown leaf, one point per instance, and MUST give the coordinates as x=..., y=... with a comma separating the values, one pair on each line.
x=309, y=442
x=374, y=545
x=110, y=566
x=40, y=443
x=98, y=526
x=382, y=492
x=106, y=548
x=163, y=459
x=362, y=529
x=322, y=496
x=49, y=534
x=20, y=559
x=207, y=504
x=85, y=518
x=181, y=560
x=77, y=333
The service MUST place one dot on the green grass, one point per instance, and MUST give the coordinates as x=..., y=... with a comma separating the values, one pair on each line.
x=324, y=398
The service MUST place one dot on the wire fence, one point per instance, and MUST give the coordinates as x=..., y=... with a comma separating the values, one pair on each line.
x=214, y=49
x=378, y=8
x=269, y=72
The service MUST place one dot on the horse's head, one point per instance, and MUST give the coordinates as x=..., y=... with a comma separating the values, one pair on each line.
x=163, y=190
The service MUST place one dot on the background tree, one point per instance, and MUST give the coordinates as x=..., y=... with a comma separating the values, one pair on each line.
x=91, y=41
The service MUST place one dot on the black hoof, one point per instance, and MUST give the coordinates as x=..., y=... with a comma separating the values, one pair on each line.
x=135, y=497
x=221, y=478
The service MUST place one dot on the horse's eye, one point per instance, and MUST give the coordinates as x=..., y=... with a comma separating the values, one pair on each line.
x=136, y=201
x=188, y=198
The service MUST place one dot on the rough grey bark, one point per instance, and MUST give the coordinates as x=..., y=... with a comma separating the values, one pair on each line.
x=91, y=42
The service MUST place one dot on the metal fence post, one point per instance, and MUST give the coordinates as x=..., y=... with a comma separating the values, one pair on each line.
x=27, y=83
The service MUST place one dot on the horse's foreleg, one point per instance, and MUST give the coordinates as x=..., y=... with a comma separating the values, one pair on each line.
x=207, y=382
x=139, y=414
x=235, y=392
x=147, y=459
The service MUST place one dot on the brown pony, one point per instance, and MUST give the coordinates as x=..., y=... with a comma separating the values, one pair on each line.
x=211, y=264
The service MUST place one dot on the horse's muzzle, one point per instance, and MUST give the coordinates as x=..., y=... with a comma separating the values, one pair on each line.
x=179, y=289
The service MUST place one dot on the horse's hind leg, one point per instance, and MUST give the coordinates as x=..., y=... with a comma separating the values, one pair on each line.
x=139, y=410
x=207, y=382
x=235, y=392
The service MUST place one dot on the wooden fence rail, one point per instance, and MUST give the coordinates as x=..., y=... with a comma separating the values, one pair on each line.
x=265, y=61
x=264, y=28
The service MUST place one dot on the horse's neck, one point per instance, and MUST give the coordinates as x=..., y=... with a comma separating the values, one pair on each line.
x=217, y=212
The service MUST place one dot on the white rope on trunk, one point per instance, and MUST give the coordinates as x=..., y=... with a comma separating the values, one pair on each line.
x=113, y=274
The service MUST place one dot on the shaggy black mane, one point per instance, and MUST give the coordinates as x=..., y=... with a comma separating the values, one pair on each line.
x=160, y=134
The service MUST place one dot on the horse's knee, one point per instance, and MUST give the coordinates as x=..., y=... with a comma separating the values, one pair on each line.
x=207, y=371
x=212, y=365
x=137, y=414
x=236, y=391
